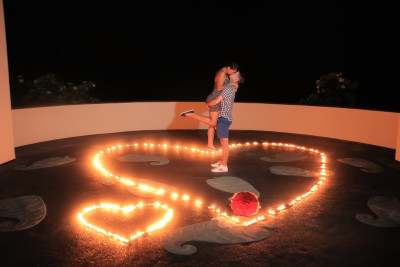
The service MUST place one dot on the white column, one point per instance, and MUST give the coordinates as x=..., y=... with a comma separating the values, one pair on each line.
x=398, y=140
x=7, y=152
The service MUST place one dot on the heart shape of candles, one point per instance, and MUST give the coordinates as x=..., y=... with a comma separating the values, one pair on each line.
x=322, y=173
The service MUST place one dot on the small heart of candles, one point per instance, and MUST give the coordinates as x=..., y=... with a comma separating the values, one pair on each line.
x=127, y=209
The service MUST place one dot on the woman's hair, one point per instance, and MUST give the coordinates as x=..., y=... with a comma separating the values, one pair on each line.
x=233, y=65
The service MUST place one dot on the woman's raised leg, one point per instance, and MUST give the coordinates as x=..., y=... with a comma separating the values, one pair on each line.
x=211, y=129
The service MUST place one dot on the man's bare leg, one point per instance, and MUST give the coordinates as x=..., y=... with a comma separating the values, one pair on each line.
x=225, y=151
x=222, y=164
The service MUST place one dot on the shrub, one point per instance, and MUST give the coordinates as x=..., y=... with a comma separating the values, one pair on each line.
x=333, y=90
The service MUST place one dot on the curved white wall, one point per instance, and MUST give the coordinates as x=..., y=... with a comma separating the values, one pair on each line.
x=48, y=123
x=364, y=126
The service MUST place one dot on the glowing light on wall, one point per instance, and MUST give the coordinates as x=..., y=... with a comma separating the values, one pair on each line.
x=262, y=215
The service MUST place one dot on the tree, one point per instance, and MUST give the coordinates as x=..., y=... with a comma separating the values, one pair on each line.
x=48, y=90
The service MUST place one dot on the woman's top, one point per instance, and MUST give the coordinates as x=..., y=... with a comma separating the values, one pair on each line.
x=213, y=95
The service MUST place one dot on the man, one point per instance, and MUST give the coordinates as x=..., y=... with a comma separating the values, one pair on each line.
x=227, y=98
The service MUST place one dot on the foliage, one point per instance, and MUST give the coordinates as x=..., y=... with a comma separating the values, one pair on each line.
x=333, y=90
x=48, y=90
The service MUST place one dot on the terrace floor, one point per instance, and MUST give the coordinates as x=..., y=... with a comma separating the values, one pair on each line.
x=352, y=219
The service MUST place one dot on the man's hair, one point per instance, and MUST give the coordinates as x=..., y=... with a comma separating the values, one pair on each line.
x=242, y=78
x=233, y=65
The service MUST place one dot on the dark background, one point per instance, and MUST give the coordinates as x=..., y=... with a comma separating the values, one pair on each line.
x=170, y=50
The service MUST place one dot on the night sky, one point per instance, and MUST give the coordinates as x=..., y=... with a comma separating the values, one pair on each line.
x=170, y=50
